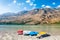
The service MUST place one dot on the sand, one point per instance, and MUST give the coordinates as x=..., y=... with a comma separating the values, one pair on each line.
x=14, y=36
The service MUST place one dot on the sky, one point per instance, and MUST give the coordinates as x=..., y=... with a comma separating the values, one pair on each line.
x=20, y=5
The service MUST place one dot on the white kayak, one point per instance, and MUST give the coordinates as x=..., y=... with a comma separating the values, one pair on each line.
x=26, y=32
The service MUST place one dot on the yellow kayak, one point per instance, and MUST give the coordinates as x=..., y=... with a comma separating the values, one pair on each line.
x=41, y=33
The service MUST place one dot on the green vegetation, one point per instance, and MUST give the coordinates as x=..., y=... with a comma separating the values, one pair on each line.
x=12, y=23
x=57, y=22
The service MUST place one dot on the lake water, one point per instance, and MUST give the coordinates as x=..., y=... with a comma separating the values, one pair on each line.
x=53, y=28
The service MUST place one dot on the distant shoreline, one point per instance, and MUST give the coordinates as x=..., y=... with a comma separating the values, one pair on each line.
x=29, y=24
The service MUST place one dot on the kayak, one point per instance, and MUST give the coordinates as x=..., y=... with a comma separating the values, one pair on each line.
x=26, y=33
x=33, y=33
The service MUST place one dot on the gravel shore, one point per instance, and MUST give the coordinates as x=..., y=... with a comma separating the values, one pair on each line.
x=15, y=36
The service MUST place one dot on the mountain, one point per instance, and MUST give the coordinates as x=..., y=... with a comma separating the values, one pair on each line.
x=36, y=16
x=8, y=14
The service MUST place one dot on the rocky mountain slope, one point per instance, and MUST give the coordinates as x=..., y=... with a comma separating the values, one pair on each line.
x=36, y=16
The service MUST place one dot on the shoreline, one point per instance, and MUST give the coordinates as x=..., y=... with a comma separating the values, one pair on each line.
x=12, y=35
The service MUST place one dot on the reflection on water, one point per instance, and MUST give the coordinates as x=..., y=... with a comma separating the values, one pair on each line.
x=54, y=28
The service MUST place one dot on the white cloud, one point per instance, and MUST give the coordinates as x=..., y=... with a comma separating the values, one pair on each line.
x=43, y=6
x=58, y=6
x=28, y=1
x=53, y=3
x=47, y=6
x=35, y=5
x=9, y=5
x=14, y=1
x=19, y=4
x=4, y=10
x=31, y=4
x=22, y=3
x=25, y=8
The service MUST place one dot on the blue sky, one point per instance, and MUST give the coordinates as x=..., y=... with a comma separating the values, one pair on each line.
x=19, y=5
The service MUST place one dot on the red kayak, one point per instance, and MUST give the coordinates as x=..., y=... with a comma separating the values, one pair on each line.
x=20, y=32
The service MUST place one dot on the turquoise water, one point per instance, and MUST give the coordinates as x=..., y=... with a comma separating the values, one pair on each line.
x=54, y=28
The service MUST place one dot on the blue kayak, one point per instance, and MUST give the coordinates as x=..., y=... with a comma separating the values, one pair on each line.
x=33, y=33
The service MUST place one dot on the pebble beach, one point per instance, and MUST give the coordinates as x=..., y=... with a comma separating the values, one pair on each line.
x=12, y=35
